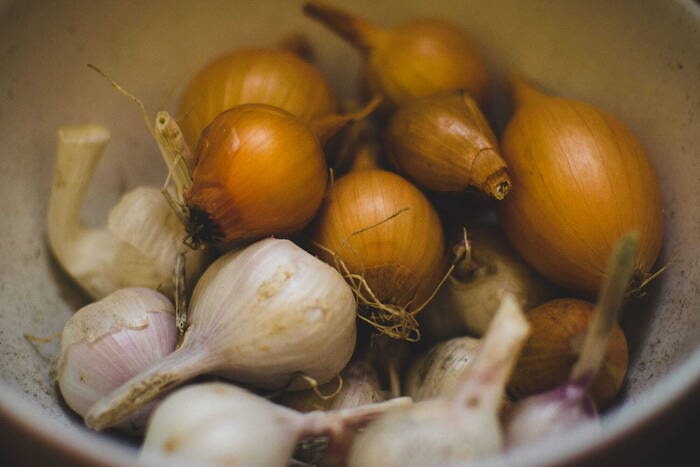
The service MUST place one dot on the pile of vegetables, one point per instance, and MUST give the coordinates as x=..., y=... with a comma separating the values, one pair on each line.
x=261, y=309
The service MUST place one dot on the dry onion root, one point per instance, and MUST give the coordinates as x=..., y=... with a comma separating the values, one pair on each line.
x=259, y=316
x=386, y=239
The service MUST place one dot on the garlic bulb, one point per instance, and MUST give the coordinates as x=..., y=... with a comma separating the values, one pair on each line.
x=260, y=316
x=473, y=292
x=457, y=429
x=359, y=385
x=437, y=372
x=219, y=424
x=106, y=343
x=139, y=246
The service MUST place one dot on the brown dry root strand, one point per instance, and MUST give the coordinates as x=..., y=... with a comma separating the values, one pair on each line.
x=641, y=281
x=34, y=342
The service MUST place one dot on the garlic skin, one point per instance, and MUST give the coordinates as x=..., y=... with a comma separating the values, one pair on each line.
x=106, y=343
x=474, y=290
x=222, y=425
x=437, y=372
x=360, y=386
x=456, y=429
x=444, y=143
x=138, y=248
x=260, y=316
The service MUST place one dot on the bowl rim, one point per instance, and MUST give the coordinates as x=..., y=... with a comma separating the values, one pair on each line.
x=671, y=390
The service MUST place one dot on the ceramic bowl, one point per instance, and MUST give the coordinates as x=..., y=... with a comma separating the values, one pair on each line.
x=638, y=60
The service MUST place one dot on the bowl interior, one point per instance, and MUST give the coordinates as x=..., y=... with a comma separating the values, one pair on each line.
x=637, y=60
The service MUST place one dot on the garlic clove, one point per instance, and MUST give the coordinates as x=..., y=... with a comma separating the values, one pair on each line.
x=436, y=372
x=106, y=343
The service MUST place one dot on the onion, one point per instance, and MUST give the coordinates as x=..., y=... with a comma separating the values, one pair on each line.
x=581, y=180
x=387, y=240
x=263, y=76
x=418, y=58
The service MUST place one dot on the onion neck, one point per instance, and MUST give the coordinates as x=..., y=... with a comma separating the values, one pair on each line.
x=523, y=92
x=326, y=127
x=358, y=32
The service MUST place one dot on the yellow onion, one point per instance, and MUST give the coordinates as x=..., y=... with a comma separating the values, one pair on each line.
x=581, y=180
x=558, y=329
x=387, y=240
x=266, y=76
x=418, y=58
x=443, y=142
x=258, y=171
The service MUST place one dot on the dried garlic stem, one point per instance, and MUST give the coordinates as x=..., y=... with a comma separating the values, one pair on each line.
x=619, y=273
x=176, y=153
x=483, y=381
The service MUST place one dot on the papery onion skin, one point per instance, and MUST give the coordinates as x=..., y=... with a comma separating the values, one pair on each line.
x=258, y=171
x=266, y=76
x=445, y=143
x=400, y=257
x=558, y=328
x=581, y=180
x=418, y=58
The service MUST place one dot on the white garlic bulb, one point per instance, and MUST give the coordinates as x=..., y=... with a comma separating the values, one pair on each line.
x=139, y=246
x=220, y=424
x=106, y=343
x=457, y=429
x=473, y=293
x=262, y=316
x=358, y=385
x=437, y=372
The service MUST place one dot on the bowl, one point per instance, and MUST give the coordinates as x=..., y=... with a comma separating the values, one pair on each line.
x=638, y=60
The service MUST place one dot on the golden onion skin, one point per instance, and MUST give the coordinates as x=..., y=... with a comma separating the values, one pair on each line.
x=444, y=143
x=581, y=180
x=418, y=58
x=558, y=329
x=400, y=257
x=266, y=76
x=258, y=171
